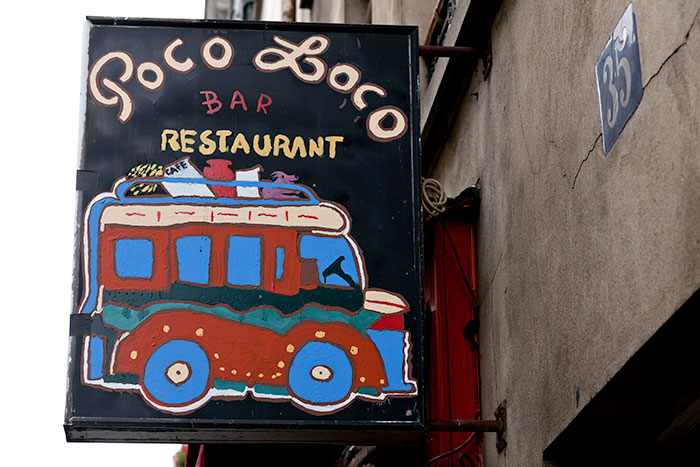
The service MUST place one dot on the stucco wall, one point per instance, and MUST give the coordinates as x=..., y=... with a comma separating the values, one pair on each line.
x=581, y=256
x=407, y=12
x=328, y=12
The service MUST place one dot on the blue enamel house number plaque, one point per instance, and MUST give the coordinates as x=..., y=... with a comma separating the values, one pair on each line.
x=619, y=77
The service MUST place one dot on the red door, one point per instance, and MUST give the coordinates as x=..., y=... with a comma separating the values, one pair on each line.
x=450, y=292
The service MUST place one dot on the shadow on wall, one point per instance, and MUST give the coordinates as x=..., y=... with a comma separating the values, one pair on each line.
x=649, y=412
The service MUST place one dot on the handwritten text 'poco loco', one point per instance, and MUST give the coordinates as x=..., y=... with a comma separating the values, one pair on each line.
x=383, y=124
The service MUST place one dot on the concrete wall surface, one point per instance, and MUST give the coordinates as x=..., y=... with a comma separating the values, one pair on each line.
x=330, y=11
x=407, y=12
x=581, y=256
x=335, y=11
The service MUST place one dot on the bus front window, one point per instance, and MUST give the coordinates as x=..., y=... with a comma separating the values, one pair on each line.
x=334, y=260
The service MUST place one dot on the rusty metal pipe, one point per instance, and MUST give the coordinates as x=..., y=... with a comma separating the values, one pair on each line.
x=466, y=425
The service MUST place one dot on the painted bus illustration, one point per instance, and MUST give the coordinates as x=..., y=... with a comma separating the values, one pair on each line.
x=202, y=286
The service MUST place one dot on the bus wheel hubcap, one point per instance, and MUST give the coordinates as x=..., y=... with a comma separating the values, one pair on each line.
x=178, y=373
x=321, y=373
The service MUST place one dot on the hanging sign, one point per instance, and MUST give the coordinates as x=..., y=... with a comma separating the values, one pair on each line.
x=249, y=261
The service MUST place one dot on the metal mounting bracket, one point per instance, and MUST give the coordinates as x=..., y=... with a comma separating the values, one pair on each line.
x=498, y=426
x=501, y=415
x=486, y=58
x=483, y=53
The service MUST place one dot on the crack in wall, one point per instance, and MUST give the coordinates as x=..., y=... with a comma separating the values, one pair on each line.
x=685, y=41
x=661, y=67
x=494, y=347
x=493, y=276
x=524, y=139
x=580, y=166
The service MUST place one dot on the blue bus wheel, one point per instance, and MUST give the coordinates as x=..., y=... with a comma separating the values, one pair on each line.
x=320, y=373
x=176, y=374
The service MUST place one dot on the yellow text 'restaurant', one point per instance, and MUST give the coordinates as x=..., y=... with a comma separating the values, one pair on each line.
x=225, y=141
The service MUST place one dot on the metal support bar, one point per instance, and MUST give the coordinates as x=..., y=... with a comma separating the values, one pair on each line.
x=498, y=426
x=444, y=51
x=465, y=425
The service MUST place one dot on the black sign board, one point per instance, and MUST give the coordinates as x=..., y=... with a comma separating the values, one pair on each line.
x=249, y=263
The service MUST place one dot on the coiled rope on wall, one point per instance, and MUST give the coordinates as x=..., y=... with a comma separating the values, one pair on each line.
x=434, y=198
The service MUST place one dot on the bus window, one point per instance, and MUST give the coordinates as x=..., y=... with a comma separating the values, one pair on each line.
x=244, y=260
x=193, y=258
x=334, y=259
x=279, y=252
x=133, y=258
